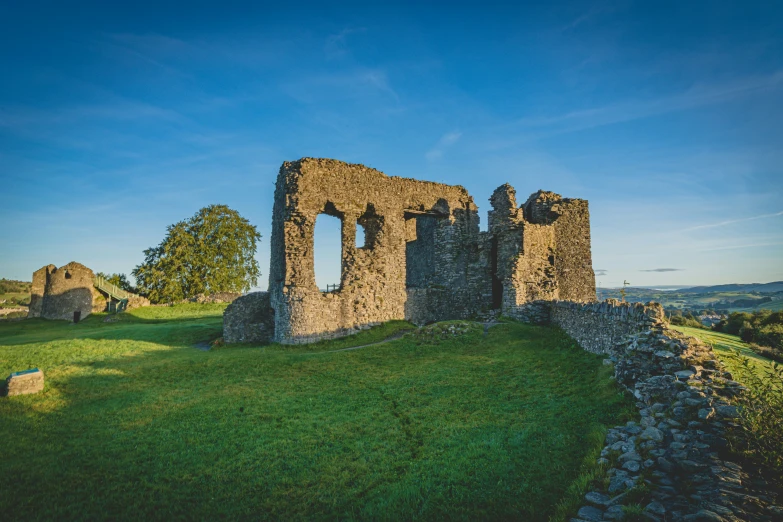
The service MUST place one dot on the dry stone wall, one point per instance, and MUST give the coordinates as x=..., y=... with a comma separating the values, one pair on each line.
x=424, y=258
x=676, y=450
x=598, y=325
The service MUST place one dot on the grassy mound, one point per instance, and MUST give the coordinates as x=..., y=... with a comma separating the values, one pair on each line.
x=135, y=422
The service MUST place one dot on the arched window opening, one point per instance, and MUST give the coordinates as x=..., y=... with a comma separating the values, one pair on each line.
x=361, y=236
x=372, y=226
x=327, y=252
x=419, y=251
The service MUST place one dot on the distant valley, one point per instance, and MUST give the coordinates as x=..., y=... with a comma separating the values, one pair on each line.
x=720, y=298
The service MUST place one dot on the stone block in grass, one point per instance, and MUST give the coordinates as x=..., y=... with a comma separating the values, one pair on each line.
x=25, y=382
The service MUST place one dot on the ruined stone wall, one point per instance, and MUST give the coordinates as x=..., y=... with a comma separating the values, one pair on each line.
x=505, y=243
x=38, y=289
x=599, y=326
x=676, y=448
x=424, y=258
x=543, y=249
x=59, y=292
x=573, y=260
x=373, y=285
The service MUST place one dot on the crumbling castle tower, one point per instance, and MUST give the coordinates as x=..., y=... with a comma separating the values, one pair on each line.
x=423, y=259
x=57, y=293
x=72, y=292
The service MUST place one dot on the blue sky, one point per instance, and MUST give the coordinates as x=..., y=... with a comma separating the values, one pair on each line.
x=116, y=121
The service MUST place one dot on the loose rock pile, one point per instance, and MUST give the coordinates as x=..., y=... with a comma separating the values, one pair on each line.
x=673, y=458
x=438, y=332
x=219, y=297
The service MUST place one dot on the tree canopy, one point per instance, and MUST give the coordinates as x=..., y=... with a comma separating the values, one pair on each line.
x=211, y=252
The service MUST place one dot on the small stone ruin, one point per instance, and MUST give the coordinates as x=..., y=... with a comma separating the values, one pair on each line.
x=62, y=293
x=424, y=258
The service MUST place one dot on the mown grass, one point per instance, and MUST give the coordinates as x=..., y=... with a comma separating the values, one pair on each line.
x=135, y=422
x=725, y=345
x=373, y=335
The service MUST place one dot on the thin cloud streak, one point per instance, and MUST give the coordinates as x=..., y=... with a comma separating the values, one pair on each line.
x=697, y=96
x=732, y=221
x=336, y=44
x=446, y=141
x=664, y=270
x=733, y=247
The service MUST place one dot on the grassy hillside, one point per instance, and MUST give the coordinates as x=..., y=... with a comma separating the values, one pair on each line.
x=724, y=344
x=775, y=306
x=135, y=422
x=14, y=295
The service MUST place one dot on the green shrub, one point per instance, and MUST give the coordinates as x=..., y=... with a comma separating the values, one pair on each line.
x=758, y=436
x=771, y=335
x=769, y=353
x=686, y=320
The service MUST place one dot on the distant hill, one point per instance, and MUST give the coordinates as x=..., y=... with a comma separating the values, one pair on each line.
x=8, y=286
x=776, y=286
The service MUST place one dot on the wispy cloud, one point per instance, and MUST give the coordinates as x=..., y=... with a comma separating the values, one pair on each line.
x=601, y=271
x=162, y=50
x=663, y=270
x=699, y=95
x=347, y=84
x=732, y=221
x=337, y=45
x=446, y=141
x=733, y=247
x=119, y=109
x=587, y=17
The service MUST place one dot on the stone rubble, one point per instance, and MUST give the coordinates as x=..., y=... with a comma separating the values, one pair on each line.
x=674, y=456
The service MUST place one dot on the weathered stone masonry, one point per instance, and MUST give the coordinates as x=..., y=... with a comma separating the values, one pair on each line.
x=57, y=293
x=424, y=258
x=677, y=448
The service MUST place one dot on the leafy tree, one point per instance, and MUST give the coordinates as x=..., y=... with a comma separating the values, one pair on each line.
x=746, y=332
x=211, y=252
x=118, y=280
x=763, y=327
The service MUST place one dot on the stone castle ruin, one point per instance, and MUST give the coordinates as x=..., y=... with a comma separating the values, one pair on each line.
x=423, y=258
x=62, y=293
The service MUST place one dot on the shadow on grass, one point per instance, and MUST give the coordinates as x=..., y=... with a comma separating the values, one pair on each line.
x=465, y=428
x=114, y=327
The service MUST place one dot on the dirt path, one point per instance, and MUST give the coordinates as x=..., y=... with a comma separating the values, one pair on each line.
x=393, y=337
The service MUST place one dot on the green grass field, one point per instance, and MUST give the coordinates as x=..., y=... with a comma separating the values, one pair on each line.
x=775, y=306
x=135, y=422
x=14, y=299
